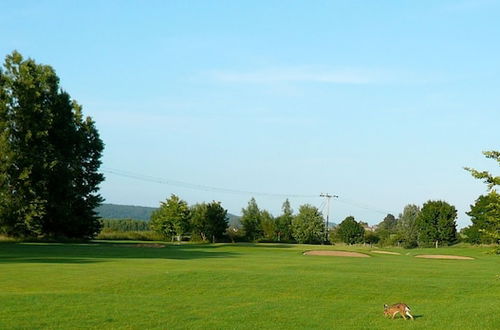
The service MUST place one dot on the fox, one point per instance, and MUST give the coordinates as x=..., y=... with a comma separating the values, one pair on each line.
x=400, y=308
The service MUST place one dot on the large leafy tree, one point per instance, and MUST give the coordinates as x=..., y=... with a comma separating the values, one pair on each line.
x=436, y=224
x=284, y=222
x=407, y=225
x=251, y=220
x=209, y=220
x=171, y=219
x=350, y=231
x=485, y=214
x=49, y=156
x=308, y=225
x=386, y=229
x=268, y=225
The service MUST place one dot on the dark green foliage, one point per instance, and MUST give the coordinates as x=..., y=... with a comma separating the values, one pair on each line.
x=49, y=156
x=250, y=220
x=308, y=225
x=387, y=230
x=436, y=224
x=209, y=221
x=484, y=216
x=407, y=226
x=487, y=214
x=236, y=234
x=389, y=223
x=124, y=225
x=350, y=231
x=171, y=219
x=371, y=238
x=140, y=235
x=268, y=225
x=284, y=223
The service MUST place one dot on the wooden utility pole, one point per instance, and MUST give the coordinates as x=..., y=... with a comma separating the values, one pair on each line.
x=328, y=197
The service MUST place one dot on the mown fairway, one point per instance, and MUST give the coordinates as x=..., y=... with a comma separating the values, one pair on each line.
x=120, y=285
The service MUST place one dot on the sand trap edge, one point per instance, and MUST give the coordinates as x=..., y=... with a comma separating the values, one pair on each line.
x=443, y=256
x=335, y=253
x=386, y=252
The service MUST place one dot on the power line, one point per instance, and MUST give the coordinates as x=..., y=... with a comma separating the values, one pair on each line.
x=193, y=186
x=365, y=206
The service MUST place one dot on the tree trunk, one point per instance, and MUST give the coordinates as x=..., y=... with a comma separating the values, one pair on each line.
x=437, y=242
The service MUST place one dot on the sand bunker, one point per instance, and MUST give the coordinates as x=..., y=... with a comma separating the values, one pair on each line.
x=386, y=252
x=151, y=245
x=336, y=254
x=443, y=256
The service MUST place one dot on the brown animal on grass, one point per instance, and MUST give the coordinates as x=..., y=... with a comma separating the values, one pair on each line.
x=400, y=308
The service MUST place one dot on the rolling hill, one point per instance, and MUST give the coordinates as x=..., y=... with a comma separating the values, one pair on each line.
x=116, y=211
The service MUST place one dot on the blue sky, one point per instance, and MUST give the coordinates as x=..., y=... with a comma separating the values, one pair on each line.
x=379, y=102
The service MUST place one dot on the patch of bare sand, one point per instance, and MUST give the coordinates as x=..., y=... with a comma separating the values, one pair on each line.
x=336, y=254
x=443, y=256
x=386, y=252
x=150, y=245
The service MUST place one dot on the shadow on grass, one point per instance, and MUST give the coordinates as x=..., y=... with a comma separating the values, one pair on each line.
x=261, y=245
x=40, y=260
x=97, y=252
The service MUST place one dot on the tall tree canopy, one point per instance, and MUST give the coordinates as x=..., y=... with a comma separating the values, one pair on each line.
x=308, y=225
x=284, y=222
x=172, y=218
x=209, y=220
x=436, y=224
x=49, y=156
x=350, y=231
x=407, y=225
x=486, y=212
x=485, y=215
x=250, y=220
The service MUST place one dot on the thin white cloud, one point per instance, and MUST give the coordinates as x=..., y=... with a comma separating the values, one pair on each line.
x=298, y=75
x=346, y=76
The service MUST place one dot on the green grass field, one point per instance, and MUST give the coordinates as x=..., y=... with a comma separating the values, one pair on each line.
x=244, y=286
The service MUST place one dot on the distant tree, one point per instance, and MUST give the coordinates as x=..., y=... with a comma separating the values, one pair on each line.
x=50, y=155
x=268, y=225
x=488, y=215
x=350, y=231
x=387, y=229
x=407, y=226
x=171, y=219
x=436, y=224
x=124, y=225
x=389, y=223
x=284, y=222
x=198, y=221
x=308, y=225
x=484, y=215
x=371, y=238
x=235, y=234
x=218, y=220
x=209, y=221
x=250, y=220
